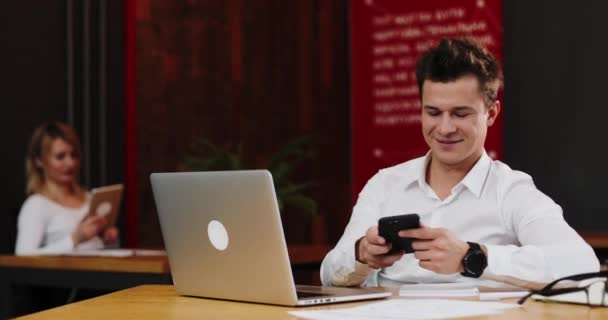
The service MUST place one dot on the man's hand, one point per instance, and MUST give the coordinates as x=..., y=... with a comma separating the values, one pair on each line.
x=372, y=250
x=438, y=249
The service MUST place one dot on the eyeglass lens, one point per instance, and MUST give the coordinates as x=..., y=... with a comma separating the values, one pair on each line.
x=596, y=293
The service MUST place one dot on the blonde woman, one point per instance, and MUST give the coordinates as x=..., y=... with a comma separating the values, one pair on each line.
x=52, y=218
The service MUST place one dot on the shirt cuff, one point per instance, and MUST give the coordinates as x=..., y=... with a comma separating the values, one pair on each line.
x=350, y=272
x=499, y=259
x=361, y=269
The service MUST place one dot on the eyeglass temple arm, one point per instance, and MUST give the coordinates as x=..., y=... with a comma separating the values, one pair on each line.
x=548, y=293
x=576, y=277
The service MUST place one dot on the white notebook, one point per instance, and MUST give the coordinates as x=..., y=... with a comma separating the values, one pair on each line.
x=456, y=289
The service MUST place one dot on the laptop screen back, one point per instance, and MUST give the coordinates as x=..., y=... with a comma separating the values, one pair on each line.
x=223, y=235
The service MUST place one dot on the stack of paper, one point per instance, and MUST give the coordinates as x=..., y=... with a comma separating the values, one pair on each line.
x=409, y=309
x=457, y=289
x=497, y=295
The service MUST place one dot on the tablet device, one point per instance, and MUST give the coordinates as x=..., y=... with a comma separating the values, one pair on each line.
x=105, y=202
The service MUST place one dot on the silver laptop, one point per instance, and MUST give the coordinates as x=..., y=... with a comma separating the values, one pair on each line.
x=224, y=239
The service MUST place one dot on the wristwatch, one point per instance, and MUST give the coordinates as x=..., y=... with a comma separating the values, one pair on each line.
x=474, y=261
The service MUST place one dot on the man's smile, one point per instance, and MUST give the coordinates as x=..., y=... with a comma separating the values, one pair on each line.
x=448, y=141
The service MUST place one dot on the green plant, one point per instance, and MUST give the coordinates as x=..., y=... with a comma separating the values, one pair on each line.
x=207, y=156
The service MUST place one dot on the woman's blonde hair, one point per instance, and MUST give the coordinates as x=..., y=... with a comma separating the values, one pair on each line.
x=39, y=147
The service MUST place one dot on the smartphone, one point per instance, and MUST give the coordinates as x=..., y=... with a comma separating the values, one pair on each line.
x=389, y=227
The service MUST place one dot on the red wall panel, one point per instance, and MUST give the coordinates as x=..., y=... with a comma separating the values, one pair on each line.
x=387, y=36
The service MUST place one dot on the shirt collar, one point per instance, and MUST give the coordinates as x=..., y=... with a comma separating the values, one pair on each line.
x=474, y=180
x=421, y=176
x=418, y=172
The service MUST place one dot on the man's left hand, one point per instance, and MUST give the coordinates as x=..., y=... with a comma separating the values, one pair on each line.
x=438, y=249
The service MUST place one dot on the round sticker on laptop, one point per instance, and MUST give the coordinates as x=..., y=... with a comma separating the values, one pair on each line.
x=217, y=235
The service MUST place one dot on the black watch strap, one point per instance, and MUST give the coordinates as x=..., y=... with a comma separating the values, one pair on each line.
x=474, y=261
x=474, y=245
x=357, y=250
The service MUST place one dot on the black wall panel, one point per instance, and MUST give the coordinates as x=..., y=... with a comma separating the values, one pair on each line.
x=62, y=60
x=555, y=102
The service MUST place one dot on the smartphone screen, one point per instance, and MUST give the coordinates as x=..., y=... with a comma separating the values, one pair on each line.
x=389, y=227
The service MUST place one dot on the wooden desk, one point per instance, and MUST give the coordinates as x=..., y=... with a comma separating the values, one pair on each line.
x=106, y=273
x=138, y=264
x=597, y=240
x=113, y=273
x=299, y=255
x=161, y=302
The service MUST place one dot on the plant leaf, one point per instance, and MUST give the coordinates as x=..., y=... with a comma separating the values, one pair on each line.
x=302, y=202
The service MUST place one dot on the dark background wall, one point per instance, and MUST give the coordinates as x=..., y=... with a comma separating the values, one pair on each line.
x=33, y=82
x=262, y=72
x=555, y=107
x=255, y=73
x=62, y=60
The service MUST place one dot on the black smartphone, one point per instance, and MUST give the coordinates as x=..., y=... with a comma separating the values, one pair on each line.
x=389, y=227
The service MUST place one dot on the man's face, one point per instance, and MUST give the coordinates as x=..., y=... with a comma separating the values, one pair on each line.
x=455, y=120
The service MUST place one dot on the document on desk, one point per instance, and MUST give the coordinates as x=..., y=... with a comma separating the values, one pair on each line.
x=595, y=293
x=456, y=289
x=498, y=295
x=579, y=297
x=414, y=309
x=117, y=253
x=573, y=297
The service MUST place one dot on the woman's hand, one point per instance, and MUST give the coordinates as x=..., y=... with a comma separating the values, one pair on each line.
x=110, y=235
x=88, y=228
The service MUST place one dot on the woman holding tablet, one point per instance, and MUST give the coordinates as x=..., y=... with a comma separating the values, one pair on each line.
x=54, y=218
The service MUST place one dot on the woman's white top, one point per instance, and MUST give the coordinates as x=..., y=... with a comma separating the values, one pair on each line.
x=45, y=227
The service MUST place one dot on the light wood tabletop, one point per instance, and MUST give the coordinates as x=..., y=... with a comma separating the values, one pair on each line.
x=115, y=273
x=86, y=272
x=161, y=302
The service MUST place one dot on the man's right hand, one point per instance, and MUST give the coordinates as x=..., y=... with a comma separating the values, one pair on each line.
x=88, y=228
x=372, y=250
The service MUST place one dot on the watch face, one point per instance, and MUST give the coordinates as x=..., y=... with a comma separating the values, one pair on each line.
x=475, y=262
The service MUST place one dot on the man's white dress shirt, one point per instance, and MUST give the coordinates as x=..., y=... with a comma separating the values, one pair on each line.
x=522, y=228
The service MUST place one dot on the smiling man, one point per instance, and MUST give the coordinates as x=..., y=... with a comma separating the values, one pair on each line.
x=481, y=221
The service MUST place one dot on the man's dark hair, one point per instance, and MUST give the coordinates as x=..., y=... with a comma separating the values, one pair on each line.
x=454, y=58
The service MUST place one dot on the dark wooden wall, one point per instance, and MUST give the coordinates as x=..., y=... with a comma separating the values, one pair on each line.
x=32, y=82
x=46, y=49
x=555, y=103
x=263, y=72
x=253, y=72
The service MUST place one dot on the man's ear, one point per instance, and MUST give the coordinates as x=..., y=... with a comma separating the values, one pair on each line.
x=493, y=112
